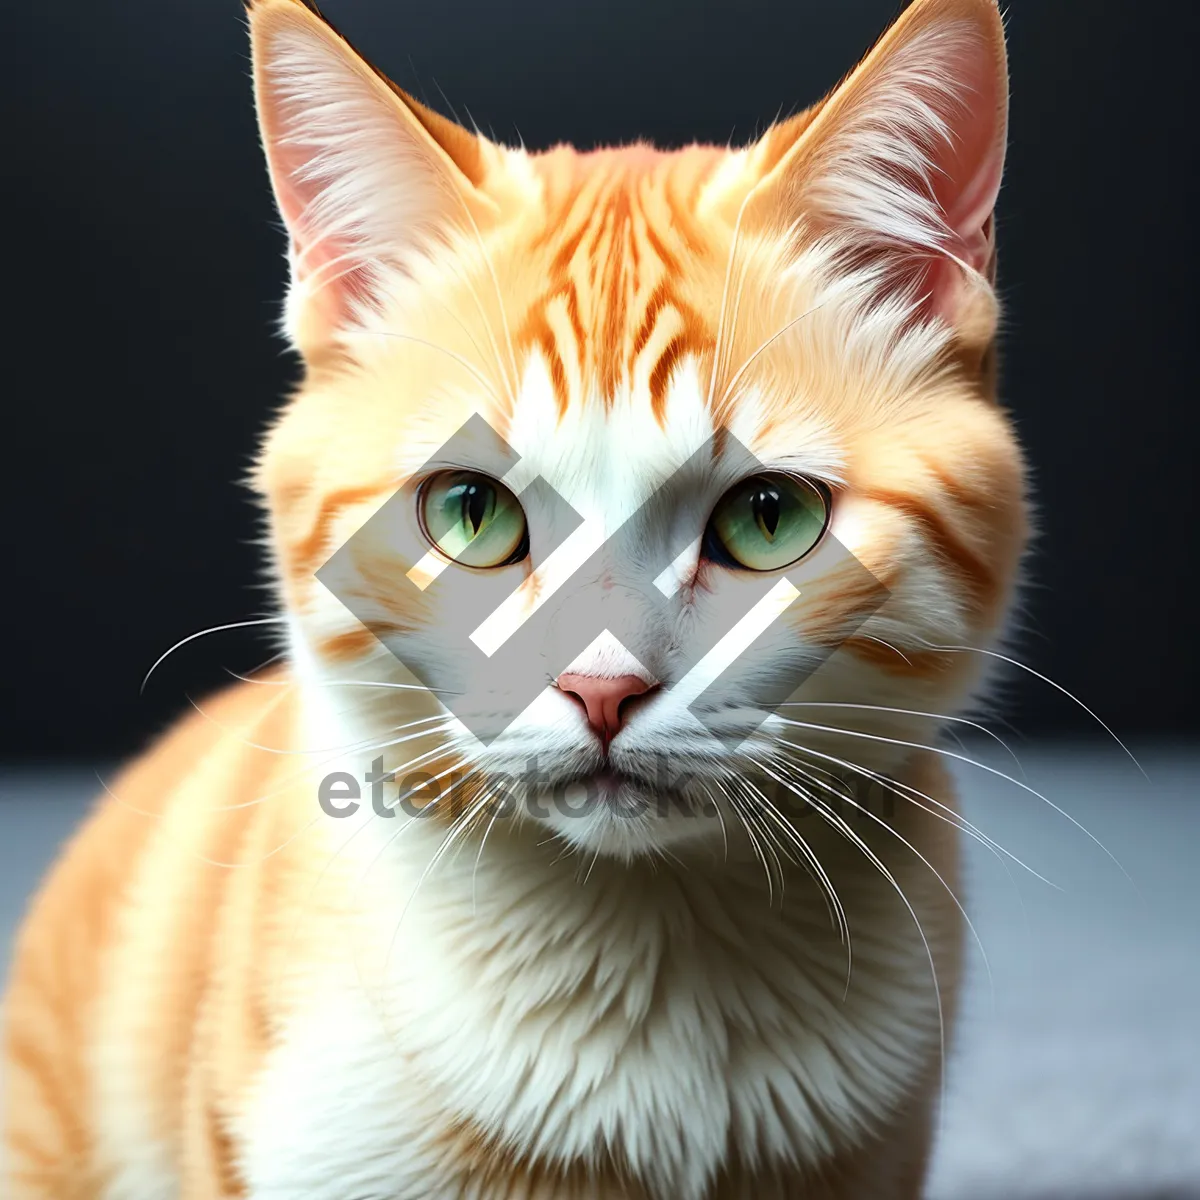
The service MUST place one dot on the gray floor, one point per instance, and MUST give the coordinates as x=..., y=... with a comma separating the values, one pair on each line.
x=1077, y=1069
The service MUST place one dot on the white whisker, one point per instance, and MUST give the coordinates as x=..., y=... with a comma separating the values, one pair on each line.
x=191, y=637
x=1012, y=662
x=908, y=712
x=978, y=765
x=865, y=810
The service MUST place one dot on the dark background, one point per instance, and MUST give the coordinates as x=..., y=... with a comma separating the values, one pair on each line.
x=143, y=268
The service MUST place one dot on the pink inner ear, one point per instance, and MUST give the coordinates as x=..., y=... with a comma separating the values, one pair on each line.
x=967, y=169
x=341, y=282
x=905, y=159
x=965, y=173
x=310, y=252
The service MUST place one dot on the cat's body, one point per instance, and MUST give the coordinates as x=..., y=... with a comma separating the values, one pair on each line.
x=229, y=1046
x=225, y=990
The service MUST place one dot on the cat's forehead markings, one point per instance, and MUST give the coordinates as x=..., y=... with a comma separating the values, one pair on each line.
x=612, y=314
x=607, y=456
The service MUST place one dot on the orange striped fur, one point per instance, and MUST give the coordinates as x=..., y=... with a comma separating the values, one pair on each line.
x=223, y=991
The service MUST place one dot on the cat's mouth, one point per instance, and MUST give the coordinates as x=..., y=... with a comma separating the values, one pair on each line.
x=611, y=787
x=608, y=781
x=605, y=786
x=621, y=811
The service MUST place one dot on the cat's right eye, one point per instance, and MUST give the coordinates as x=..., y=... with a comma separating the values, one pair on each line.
x=768, y=522
x=472, y=519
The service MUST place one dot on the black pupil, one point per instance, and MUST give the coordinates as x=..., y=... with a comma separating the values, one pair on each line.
x=765, y=503
x=474, y=505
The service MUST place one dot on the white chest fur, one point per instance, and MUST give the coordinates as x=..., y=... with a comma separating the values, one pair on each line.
x=651, y=1016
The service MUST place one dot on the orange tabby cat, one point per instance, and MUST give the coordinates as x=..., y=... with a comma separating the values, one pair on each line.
x=302, y=950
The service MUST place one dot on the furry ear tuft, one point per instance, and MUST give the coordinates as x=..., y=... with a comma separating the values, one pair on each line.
x=903, y=161
x=311, y=5
x=360, y=177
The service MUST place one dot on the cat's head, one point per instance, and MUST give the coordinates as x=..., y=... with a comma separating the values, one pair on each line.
x=610, y=449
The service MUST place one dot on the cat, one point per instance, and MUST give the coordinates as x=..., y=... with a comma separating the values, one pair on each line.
x=304, y=949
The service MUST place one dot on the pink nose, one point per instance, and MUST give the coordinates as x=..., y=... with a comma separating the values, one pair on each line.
x=602, y=698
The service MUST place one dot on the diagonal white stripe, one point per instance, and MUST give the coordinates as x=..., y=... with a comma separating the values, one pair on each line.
x=735, y=642
x=516, y=609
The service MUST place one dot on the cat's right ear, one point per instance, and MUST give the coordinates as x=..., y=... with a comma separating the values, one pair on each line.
x=365, y=177
x=899, y=168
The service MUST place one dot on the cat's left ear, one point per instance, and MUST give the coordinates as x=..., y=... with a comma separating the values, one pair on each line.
x=901, y=165
x=365, y=177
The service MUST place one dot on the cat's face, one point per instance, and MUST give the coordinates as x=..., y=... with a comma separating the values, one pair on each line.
x=612, y=449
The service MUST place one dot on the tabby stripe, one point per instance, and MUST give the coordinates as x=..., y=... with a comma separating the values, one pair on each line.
x=975, y=573
x=537, y=331
x=349, y=646
x=312, y=547
x=661, y=376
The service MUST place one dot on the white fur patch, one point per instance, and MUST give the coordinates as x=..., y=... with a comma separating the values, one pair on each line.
x=877, y=174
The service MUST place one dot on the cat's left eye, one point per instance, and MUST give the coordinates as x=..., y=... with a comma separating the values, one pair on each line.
x=768, y=522
x=473, y=519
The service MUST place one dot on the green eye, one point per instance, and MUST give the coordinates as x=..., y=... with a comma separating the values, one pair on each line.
x=768, y=522
x=472, y=518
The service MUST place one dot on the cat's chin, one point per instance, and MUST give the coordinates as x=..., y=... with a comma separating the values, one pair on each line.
x=618, y=816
